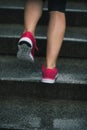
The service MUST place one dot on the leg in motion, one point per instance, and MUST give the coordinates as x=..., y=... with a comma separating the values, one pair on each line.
x=27, y=42
x=55, y=35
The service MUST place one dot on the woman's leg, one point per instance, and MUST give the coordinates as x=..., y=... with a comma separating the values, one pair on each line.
x=55, y=37
x=27, y=42
x=33, y=12
x=56, y=30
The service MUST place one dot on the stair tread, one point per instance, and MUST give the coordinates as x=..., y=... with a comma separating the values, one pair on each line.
x=18, y=4
x=32, y=113
x=72, y=71
x=78, y=34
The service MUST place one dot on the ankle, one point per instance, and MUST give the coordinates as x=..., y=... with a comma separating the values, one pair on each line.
x=30, y=31
x=50, y=65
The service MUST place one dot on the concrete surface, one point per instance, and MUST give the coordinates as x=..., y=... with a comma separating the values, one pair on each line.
x=40, y=114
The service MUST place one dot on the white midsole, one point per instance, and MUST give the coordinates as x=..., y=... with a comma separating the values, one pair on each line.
x=27, y=40
x=47, y=80
x=31, y=57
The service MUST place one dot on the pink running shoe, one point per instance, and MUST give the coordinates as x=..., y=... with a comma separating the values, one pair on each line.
x=26, y=47
x=49, y=75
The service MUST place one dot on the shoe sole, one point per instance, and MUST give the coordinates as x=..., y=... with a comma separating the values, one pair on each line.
x=24, y=53
x=50, y=81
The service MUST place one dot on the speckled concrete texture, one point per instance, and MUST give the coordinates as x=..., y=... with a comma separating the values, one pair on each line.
x=70, y=70
x=25, y=102
x=18, y=78
x=40, y=114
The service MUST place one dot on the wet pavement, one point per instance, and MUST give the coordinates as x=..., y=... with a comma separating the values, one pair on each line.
x=40, y=114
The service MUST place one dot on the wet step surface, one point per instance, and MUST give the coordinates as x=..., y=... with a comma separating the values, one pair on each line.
x=70, y=70
x=22, y=78
x=39, y=114
x=75, y=40
x=15, y=30
x=76, y=12
x=18, y=4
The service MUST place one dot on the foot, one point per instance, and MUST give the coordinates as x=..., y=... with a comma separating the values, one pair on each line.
x=26, y=47
x=49, y=75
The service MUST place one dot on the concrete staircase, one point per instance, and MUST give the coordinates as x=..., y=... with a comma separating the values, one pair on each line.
x=25, y=102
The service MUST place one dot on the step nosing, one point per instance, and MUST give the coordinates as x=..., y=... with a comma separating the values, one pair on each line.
x=75, y=39
x=38, y=80
x=76, y=10
x=46, y=9
x=45, y=37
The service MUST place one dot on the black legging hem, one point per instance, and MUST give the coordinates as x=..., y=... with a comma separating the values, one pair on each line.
x=56, y=5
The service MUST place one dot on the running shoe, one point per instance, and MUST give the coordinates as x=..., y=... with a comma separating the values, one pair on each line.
x=26, y=47
x=49, y=75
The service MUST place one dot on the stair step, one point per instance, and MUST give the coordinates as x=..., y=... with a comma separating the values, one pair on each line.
x=30, y=113
x=75, y=40
x=76, y=12
x=18, y=4
x=25, y=102
x=24, y=79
